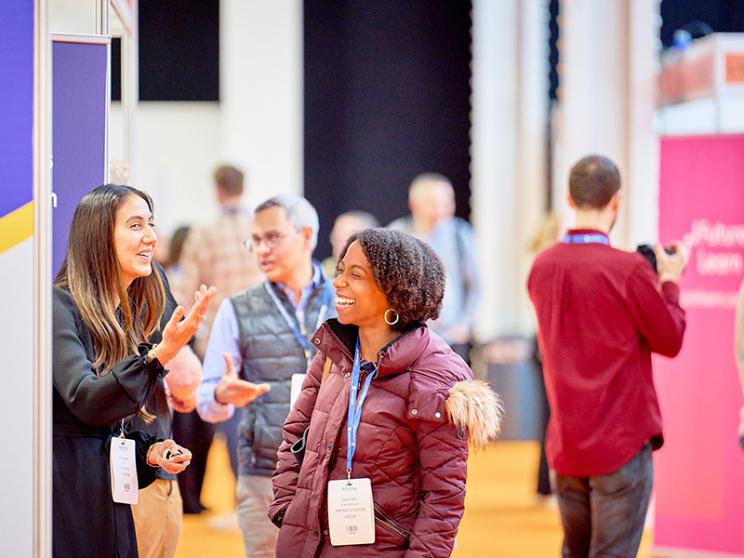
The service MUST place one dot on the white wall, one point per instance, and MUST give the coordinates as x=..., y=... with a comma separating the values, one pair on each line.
x=75, y=16
x=16, y=412
x=261, y=93
x=723, y=115
x=609, y=53
x=508, y=153
x=177, y=148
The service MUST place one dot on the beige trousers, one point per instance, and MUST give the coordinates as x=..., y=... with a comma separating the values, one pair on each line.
x=158, y=519
x=259, y=533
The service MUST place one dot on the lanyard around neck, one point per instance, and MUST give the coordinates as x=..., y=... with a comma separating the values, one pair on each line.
x=355, y=407
x=297, y=327
x=581, y=238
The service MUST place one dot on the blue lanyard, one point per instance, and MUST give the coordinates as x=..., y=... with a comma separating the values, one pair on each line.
x=593, y=238
x=355, y=407
x=299, y=330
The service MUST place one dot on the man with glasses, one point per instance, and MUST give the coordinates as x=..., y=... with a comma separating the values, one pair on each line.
x=259, y=340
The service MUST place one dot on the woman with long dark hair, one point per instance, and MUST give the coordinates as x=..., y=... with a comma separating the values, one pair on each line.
x=374, y=457
x=108, y=302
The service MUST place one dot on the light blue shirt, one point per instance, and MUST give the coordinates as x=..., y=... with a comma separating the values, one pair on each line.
x=224, y=337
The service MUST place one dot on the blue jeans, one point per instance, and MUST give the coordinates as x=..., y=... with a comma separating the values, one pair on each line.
x=603, y=516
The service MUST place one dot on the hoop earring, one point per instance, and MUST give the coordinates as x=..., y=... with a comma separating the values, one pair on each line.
x=394, y=320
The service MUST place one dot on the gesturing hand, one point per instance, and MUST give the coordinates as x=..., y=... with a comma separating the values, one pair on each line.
x=232, y=389
x=178, y=331
x=169, y=456
x=183, y=405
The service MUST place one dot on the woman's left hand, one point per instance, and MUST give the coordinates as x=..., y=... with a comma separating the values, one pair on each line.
x=181, y=326
x=169, y=456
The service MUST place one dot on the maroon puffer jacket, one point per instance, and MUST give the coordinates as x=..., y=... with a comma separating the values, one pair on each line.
x=421, y=410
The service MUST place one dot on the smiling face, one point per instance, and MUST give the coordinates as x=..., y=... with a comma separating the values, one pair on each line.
x=359, y=301
x=134, y=239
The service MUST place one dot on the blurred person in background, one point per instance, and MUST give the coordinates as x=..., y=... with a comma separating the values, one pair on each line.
x=110, y=346
x=431, y=199
x=601, y=312
x=401, y=420
x=215, y=255
x=547, y=234
x=260, y=338
x=344, y=226
x=172, y=260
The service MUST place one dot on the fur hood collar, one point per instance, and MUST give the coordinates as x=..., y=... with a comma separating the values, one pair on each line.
x=473, y=405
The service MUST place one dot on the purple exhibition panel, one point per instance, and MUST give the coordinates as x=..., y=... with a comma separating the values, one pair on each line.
x=79, y=131
x=16, y=104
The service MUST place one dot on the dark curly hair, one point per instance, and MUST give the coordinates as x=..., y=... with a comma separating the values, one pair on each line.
x=406, y=270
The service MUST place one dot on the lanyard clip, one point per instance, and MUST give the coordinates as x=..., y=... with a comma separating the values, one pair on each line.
x=348, y=474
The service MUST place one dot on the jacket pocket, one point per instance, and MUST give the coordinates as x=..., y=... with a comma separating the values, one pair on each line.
x=390, y=524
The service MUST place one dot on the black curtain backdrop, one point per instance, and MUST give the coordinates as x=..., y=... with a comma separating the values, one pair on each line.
x=723, y=16
x=179, y=50
x=387, y=96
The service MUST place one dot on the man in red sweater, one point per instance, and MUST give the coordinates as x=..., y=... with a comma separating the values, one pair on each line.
x=601, y=312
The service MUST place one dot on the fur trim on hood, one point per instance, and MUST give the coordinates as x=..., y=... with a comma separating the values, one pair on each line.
x=473, y=405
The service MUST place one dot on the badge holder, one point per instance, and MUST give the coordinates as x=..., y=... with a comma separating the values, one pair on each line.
x=351, y=513
x=124, y=483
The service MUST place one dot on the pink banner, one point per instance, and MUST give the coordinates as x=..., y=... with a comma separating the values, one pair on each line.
x=700, y=470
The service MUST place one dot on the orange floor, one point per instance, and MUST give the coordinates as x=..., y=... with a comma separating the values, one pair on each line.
x=502, y=518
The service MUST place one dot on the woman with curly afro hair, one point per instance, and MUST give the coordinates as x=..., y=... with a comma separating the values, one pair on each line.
x=386, y=411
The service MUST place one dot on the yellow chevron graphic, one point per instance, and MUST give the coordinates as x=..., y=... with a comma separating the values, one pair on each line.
x=16, y=226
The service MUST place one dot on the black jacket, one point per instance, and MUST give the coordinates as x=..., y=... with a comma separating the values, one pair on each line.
x=87, y=411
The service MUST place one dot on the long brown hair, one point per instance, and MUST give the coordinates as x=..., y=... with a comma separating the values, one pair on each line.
x=91, y=273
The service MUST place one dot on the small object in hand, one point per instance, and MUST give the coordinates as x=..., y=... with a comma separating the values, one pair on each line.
x=647, y=251
x=168, y=454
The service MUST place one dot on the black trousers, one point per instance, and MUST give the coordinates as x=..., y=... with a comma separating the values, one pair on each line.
x=193, y=433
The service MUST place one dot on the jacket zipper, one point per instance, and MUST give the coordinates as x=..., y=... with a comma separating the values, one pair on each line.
x=388, y=522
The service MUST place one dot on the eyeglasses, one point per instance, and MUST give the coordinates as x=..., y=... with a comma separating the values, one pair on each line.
x=270, y=240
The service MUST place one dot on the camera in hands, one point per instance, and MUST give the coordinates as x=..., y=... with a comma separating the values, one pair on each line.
x=647, y=251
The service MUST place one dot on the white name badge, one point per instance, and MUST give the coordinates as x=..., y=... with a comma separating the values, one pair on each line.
x=295, y=388
x=124, y=485
x=351, y=514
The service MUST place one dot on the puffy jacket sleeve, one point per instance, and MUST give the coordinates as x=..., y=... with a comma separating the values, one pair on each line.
x=443, y=455
x=284, y=481
x=96, y=400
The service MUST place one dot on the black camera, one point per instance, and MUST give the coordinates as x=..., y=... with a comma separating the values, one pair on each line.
x=647, y=251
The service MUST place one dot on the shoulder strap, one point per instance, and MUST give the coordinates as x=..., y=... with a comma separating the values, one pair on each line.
x=326, y=369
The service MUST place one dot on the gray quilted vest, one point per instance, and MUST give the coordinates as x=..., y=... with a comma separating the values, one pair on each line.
x=271, y=354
